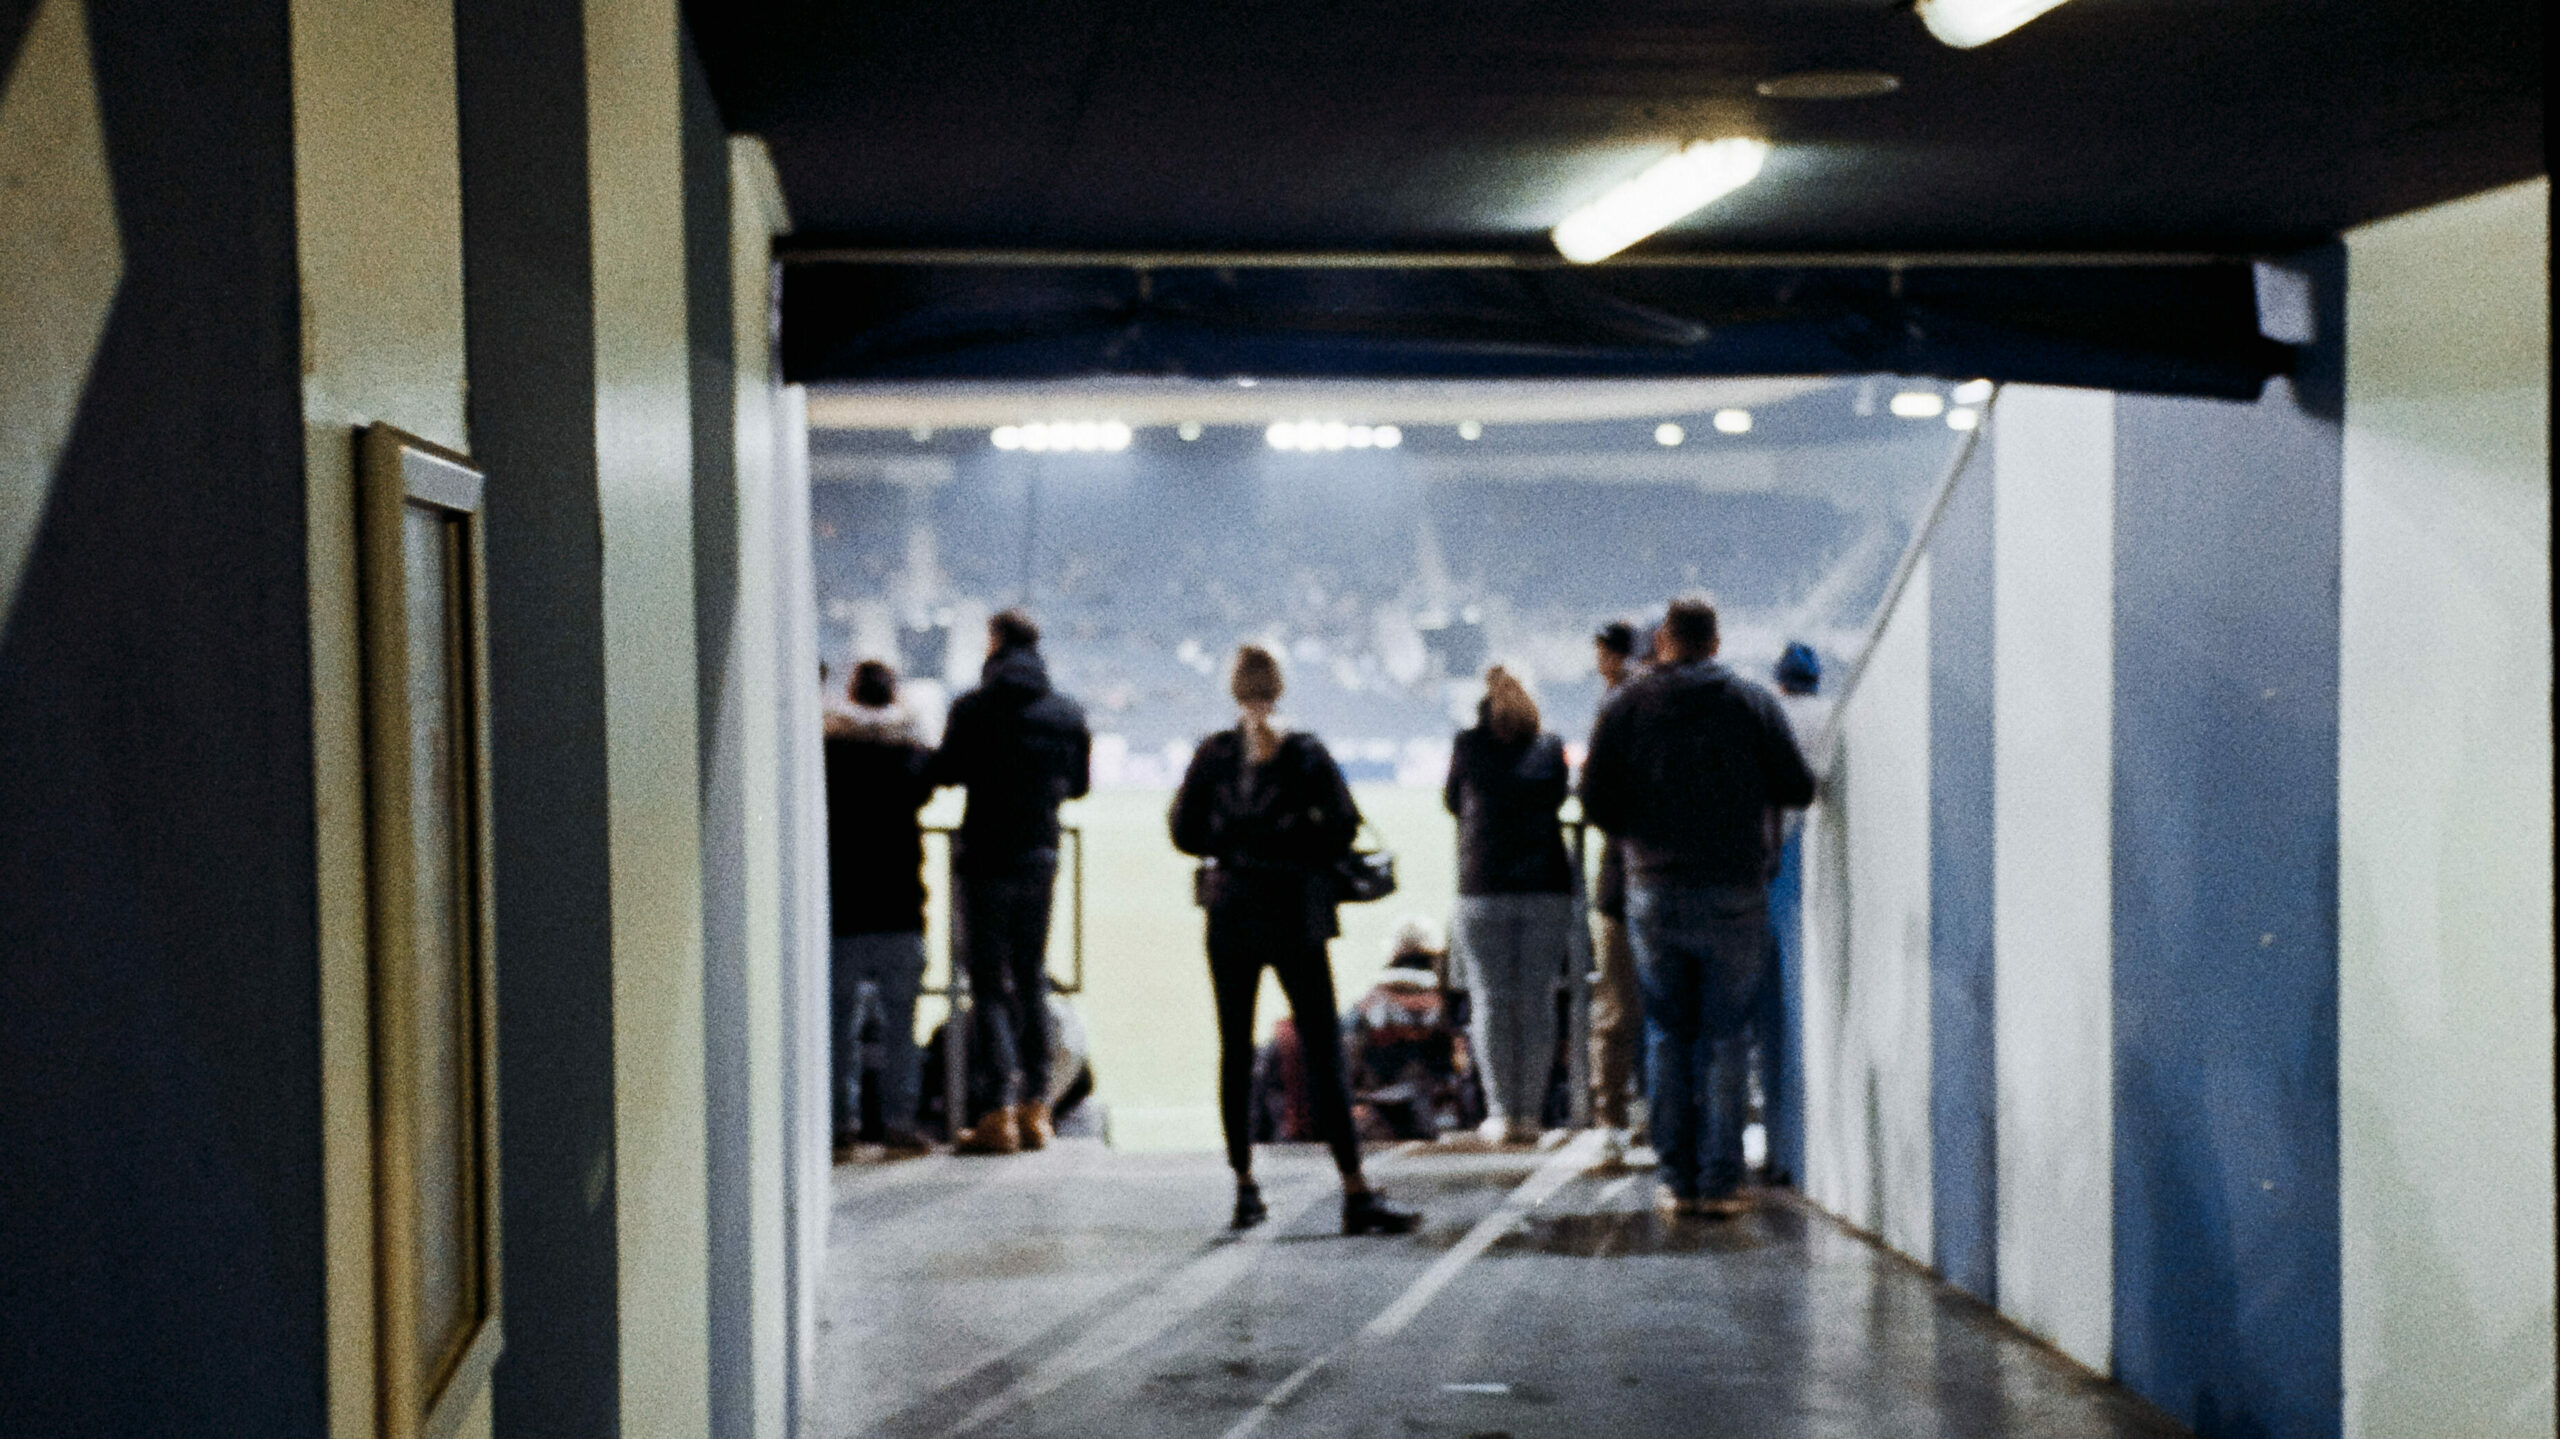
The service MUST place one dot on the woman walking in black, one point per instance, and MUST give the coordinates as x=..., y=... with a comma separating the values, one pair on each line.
x=1269, y=814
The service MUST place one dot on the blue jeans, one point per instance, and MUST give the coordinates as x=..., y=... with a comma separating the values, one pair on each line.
x=876, y=975
x=1701, y=956
x=1514, y=949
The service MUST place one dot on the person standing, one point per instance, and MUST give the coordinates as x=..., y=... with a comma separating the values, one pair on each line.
x=875, y=881
x=1686, y=763
x=1617, y=1010
x=1020, y=749
x=1507, y=780
x=1268, y=812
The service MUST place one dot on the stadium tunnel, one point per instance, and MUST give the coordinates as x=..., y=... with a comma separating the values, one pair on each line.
x=412, y=914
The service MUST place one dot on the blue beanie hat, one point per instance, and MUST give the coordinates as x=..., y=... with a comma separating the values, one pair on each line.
x=1799, y=669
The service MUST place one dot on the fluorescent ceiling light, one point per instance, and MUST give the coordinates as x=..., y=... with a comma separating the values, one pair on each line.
x=1084, y=436
x=1678, y=184
x=1470, y=430
x=1963, y=419
x=1967, y=23
x=1733, y=422
x=1314, y=436
x=1667, y=434
x=1918, y=405
x=1189, y=430
x=1971, y=392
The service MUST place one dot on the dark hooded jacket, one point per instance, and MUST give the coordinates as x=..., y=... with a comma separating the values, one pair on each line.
x=1021, y=749
x=1505, y=794
x=875, y=849
x=1686, y=763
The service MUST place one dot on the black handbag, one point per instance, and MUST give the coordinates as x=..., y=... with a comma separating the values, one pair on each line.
x=1364, y=875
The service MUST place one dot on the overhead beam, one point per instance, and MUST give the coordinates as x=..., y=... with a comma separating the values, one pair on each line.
x=1495, y=260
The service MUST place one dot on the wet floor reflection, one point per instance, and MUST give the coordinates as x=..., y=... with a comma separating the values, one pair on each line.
x=1086, y=1294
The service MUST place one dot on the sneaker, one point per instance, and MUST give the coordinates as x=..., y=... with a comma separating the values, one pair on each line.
x=1366, y=1213
x=995, y=1134
x=904, y=1143
x=1495, y=1130
x=1250, y=1209
x=1730, y=1206
x=1031, y=1123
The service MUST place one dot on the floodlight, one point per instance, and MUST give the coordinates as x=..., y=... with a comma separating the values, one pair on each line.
x=1967, y=23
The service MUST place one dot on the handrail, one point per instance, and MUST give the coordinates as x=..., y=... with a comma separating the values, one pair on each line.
x=1074, y=984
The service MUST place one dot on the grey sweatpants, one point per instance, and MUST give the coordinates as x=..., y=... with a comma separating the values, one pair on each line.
x=1514, y=948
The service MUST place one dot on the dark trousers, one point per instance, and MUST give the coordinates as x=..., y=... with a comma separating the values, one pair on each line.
x=1004, y=929
x=1237, y=956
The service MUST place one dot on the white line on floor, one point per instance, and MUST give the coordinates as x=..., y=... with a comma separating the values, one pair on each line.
x=1145, y=1317
x=1539, y=1187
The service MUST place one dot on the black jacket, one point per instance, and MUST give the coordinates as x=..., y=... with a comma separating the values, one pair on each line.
x=875, y=848
x=1021, y=749
x=1505, y=794
x=1272, y=832
x=1686, y=762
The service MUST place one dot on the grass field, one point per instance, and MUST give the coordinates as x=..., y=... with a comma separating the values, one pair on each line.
x=1146, y=1003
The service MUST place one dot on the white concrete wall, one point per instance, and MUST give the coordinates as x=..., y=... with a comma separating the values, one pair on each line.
x=747, y=795
x=644, y=475
x=1866, y=975
x=2444, y=817
x=2053, y=479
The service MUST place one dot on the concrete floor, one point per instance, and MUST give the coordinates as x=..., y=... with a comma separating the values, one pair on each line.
x=1083, y=1292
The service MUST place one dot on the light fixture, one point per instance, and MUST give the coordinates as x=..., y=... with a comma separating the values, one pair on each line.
x=1733, y=422
x=1326, y=436
x=1961, y=419
x=1971, y=392
x=1188, y=429
x=1918, y=405
x=1829, y=85
x=1967, y=23
x=1064, y=436
x=1667, y=434
x=1470, y=430
x=1678, y=184
x=921, y=434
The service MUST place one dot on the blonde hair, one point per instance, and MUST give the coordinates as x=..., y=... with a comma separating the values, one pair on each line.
x=1510, y=711
x=1254, y=676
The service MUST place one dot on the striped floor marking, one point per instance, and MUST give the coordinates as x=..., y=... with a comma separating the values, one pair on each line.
x=1568, y=1163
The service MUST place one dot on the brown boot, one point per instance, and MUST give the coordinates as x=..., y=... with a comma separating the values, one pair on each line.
x=1031, y=1124
x=994, y=1134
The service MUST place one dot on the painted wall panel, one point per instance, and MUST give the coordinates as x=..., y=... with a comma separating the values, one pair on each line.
x=1963, y=1074
x=644, y=471
x=529, y=299
x=163, y=1206
x=378, y=208
x=1867, y=1059
x=2445, y=839
x=2053, y=554
x=2226, y=1203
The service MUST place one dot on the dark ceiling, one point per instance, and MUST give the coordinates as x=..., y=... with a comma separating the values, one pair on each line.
x=1406, y=126
x=1424, y=124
